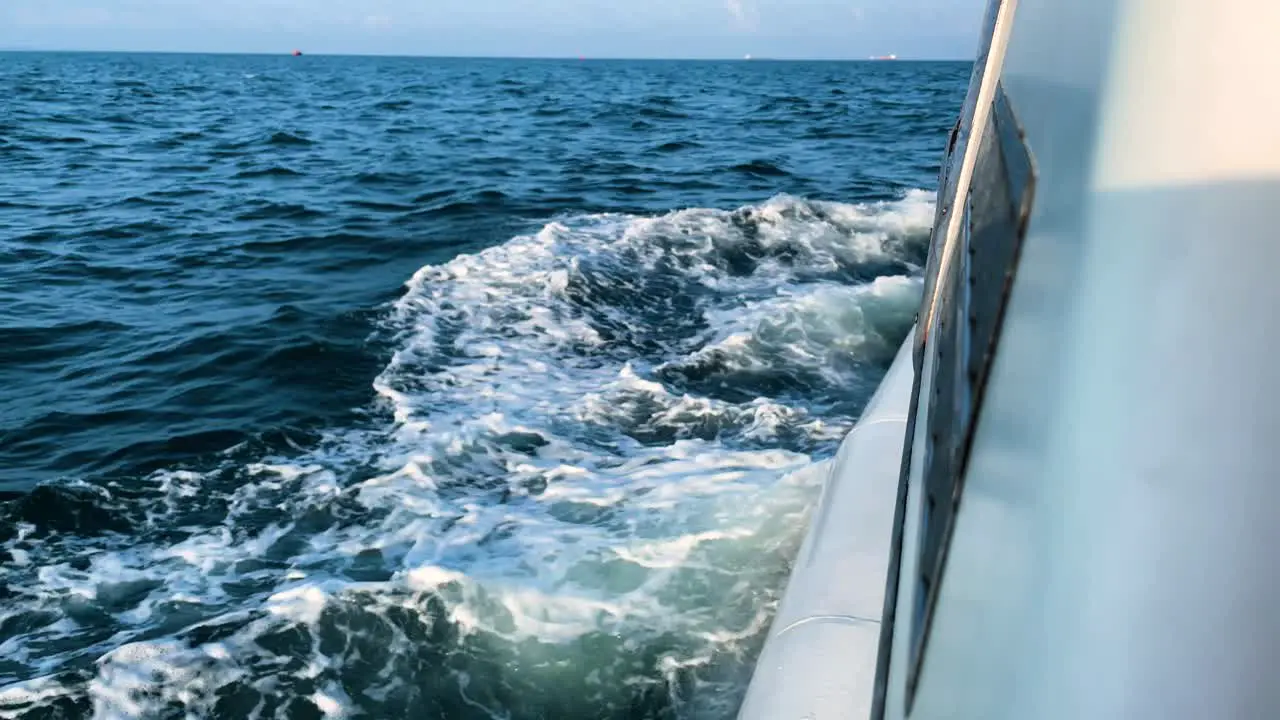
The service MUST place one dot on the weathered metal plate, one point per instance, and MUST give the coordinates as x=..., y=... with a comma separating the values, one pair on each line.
x=965, y=338
x=948, y=176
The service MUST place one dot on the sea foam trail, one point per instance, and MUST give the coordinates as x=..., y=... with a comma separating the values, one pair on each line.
x=587, y=468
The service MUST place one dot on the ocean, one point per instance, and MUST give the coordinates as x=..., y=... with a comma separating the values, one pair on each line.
x=433, y=388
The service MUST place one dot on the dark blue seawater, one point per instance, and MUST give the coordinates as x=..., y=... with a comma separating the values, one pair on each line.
x=432, y=388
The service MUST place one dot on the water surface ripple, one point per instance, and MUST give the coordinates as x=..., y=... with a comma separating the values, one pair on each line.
x=432, y=388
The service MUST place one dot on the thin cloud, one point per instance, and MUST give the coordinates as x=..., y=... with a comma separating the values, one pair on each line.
x=744, y=16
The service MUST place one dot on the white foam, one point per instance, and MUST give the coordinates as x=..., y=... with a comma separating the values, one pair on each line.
x=538, y=475
x=803, y=330
x=129, y=679
x=299, y=605
x=20, y=695
x=332, y=701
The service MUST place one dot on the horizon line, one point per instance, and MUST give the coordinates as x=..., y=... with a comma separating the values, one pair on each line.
x=287, y=53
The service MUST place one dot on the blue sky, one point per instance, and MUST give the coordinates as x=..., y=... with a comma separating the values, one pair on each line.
x=561, y=28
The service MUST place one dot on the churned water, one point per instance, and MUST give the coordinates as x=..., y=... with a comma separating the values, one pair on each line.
x=419, y=388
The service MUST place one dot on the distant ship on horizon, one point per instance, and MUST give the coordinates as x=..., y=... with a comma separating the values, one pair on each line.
x=884, y=57
x=297, y=53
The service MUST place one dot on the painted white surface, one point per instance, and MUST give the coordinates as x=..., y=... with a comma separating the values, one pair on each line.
x=1193, y=95
x=982, y=111
x=820, y=659
x=1113, y=551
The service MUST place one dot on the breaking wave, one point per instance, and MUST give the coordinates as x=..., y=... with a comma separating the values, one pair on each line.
x=576, y=493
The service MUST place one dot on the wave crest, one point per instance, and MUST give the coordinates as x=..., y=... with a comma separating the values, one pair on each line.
x=598, y=455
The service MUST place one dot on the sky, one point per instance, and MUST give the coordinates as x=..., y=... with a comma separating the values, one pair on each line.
x=930, y=29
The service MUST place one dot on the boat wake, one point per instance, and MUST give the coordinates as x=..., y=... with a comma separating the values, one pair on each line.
x=576, y=494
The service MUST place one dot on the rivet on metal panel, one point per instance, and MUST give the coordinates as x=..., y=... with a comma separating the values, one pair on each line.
x=997, y=208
